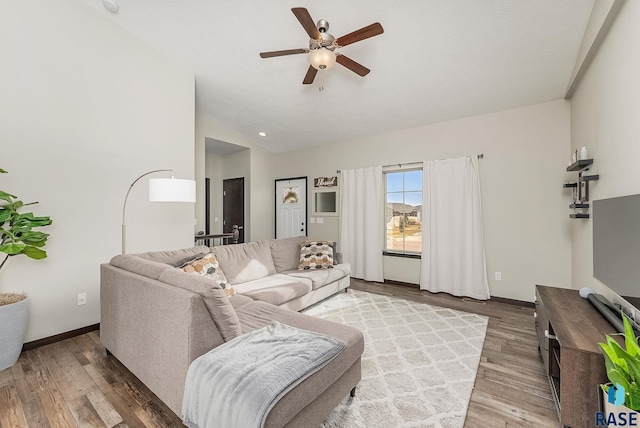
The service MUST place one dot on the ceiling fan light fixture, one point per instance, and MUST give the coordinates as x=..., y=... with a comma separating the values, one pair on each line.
x=322, y=58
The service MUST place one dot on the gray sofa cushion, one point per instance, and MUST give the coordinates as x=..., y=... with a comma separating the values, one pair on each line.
x=286, y=252
x=275, y=289
x=245, y=262
x=134, y=263
x=321, y=277
x=222, y=312
x=238, y=301
x=174, y=256
x=152, y=264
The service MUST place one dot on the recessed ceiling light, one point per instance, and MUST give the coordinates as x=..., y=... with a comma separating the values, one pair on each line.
x=262, y=134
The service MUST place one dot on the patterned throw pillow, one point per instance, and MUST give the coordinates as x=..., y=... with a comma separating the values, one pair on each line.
x=316, y=255
x=208, y=266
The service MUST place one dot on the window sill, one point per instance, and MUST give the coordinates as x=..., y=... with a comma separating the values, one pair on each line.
x=402, y=255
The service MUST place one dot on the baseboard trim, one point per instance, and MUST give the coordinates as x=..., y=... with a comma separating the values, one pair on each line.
x=513, y=302
x=492, y=298
x=58, y=337
x=404, y=284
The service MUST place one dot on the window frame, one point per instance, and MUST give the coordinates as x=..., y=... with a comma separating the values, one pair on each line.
x=400, y=169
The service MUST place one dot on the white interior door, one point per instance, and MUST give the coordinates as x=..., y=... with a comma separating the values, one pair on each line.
x=291, y=207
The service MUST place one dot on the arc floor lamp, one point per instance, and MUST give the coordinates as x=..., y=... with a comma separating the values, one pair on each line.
x=161, y=190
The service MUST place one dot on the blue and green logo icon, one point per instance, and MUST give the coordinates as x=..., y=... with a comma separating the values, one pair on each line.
x=615, y=395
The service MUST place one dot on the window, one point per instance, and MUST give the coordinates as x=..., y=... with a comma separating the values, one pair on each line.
x=403, y=211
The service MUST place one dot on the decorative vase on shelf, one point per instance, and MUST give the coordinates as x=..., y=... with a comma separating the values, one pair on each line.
x=583, y=153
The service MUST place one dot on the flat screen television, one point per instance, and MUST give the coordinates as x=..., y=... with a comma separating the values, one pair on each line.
x=616, y=245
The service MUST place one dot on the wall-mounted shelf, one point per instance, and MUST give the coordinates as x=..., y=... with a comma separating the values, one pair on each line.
x=579, y=215
x=579, y=165
x=580, y=189
x=579, y=206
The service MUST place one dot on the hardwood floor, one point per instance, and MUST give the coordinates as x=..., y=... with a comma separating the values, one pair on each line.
x=73, y=383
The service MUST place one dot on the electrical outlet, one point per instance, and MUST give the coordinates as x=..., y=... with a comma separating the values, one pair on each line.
x=498, y=276
x=82, y=299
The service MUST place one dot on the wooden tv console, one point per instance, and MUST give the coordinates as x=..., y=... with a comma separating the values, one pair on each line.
x=569, y=329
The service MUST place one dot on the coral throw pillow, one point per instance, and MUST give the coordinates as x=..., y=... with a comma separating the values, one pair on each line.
x=316, y=255
x=208, y=266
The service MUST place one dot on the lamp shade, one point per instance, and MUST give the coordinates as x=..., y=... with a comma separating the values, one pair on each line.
x=172, y=190
x=322, y=58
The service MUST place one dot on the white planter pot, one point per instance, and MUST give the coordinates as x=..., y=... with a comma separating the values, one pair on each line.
x=13, y=326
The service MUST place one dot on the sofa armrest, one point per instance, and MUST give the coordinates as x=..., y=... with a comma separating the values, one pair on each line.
x=156, y=330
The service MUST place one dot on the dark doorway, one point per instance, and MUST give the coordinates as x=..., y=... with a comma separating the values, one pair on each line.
x=207, y=206
x=233, y=206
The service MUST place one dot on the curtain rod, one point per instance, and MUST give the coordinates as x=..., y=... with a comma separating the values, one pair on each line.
x=480, y=156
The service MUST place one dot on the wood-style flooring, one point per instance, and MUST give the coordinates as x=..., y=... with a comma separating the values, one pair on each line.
x=73, y=383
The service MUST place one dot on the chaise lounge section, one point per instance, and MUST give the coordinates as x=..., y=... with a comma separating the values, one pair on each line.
x=157, y=319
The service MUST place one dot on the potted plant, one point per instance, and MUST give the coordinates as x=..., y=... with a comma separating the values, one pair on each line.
x=17, y=236
x=623, y=369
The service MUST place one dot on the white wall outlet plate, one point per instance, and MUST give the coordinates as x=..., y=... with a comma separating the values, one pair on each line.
x=82, y=299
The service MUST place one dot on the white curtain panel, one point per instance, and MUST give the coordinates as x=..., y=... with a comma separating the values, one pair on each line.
x=453, y=259
x=361, y=222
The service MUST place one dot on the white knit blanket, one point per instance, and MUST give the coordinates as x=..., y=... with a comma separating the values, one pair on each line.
x=237, y=383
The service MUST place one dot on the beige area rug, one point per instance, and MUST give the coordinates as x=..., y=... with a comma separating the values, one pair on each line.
x=419, y=363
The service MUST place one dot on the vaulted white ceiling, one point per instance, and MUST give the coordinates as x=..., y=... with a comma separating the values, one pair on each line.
x=437, y=60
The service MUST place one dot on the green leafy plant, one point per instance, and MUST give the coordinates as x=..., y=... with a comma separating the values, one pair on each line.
x=623, y=364
x=17, y=234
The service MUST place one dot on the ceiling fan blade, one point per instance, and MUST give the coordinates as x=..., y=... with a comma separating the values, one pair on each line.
x=374, y=29
x=359, y=69
x=307, y=23
x=311, y=74
x=282, y=53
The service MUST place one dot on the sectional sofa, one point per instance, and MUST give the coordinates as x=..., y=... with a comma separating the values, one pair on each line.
x=156, y=318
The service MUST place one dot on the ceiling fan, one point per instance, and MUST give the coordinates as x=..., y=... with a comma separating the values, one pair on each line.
x=322, y=45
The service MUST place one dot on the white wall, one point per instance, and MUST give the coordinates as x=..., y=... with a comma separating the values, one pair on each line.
x=604, y=118
x=85, y=109
x=527, y=235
